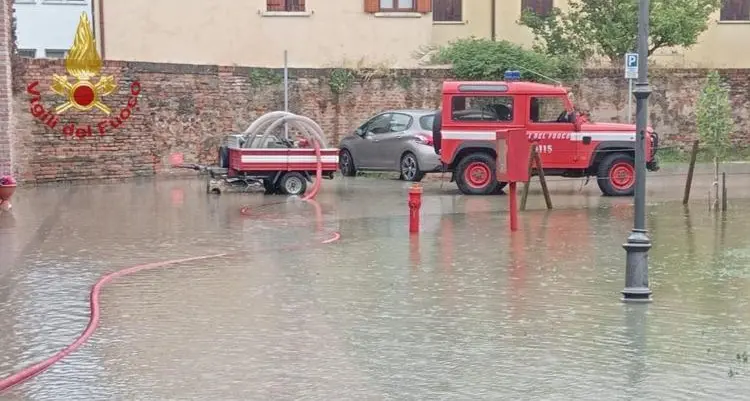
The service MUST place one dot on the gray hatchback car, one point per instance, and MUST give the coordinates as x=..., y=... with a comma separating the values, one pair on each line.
x=394, y=140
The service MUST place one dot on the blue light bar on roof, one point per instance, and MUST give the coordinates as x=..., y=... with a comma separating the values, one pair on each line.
x=512, y=75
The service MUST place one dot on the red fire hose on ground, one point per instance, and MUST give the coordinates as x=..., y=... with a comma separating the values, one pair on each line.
x=33, y=370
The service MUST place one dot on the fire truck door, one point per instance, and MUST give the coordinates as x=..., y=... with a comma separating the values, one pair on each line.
x=549, y=127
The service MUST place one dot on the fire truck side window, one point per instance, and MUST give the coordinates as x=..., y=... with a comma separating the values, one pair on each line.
x=548, y=109
x=482, y=108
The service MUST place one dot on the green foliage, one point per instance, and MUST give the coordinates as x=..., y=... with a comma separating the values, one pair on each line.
x=340, y=80
x=484, y=59
x=714, y=116
x=405, y=81
x=609, y=28
x=265, y=76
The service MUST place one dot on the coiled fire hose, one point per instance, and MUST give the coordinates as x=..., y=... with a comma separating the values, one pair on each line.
x=270, y=122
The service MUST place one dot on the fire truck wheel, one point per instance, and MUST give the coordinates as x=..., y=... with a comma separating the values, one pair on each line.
x=346, y=164
x=223, y=157
x=410, y=168
x=293, y=183
x=616, y=175
x=476, y=174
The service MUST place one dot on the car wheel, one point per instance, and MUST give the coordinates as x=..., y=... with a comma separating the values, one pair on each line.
x=616, y=175
x=346, y=164
x=293, y=183
x=475, y=174
x=410, y=168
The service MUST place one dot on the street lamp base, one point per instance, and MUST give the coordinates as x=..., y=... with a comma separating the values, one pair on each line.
x=636, y=268
x=636, y=295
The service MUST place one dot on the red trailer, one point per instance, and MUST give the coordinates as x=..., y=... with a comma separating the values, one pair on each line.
x=282, y=170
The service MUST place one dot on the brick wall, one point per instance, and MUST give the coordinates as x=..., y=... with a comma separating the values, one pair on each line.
x=6, y=96
x=188, y=109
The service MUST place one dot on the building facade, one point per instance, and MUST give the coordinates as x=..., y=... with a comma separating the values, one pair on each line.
x=45, y=28
x=321, y=33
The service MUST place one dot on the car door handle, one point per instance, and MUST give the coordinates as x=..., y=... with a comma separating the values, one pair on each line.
x=399, y=136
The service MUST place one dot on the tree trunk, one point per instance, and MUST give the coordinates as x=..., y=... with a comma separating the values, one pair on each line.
x=716, y=184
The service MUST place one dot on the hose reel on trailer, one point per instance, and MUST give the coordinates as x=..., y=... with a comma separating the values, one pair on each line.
x=279, y=152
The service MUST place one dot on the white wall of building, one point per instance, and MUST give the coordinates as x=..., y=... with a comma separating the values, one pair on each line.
x=45, y=25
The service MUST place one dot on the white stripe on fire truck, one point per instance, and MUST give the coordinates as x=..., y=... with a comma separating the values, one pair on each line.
x=600, y=136
x=574, y=136
x=287, y=159
x=469, y=135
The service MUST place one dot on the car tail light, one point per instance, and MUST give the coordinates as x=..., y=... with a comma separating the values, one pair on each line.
x=424, y=139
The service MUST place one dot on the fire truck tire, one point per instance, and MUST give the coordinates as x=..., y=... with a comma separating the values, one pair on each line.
x=223, y=157
x=293, y=183
x=346, y=164
x=475, y=174
x=616, y=175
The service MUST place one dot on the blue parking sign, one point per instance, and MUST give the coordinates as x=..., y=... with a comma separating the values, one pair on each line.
x=631, y=65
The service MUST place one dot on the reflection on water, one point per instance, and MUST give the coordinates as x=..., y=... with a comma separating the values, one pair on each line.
x=465, y=310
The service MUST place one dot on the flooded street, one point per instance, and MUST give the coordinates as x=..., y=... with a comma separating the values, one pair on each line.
x=464, y=311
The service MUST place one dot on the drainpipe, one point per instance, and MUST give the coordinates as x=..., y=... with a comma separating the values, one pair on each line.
x=100, y=19
x=493, y=34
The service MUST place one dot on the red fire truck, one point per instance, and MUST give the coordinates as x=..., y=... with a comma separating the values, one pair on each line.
x=569, y=144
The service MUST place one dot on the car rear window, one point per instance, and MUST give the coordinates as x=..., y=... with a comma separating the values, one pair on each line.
x=426, y=122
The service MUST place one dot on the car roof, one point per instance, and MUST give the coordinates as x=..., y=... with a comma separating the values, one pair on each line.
x=513, y=87
x=418, y=112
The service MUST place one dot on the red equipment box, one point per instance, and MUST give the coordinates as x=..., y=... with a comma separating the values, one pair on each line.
x=281, y=159
x=513, y=151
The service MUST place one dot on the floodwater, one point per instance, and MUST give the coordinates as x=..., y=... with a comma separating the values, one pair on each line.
x=464, y=311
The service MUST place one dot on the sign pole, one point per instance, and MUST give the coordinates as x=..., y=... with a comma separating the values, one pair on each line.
x=631, y=73
x=286, y=92
x=630, y=101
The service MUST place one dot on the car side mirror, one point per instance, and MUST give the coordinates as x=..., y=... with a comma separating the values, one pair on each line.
x=359, y=132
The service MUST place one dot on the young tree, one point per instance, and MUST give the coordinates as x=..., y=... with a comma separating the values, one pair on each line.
x=715, y=123
x=609, y=28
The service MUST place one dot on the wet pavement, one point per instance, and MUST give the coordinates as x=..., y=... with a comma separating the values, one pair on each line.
x=465, y=311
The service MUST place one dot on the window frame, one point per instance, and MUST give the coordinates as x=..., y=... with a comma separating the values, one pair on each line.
x=369, y=122
x=742, y=19
x=460, y=13
x=33, y=54
x=421, y=122
x=562, y=99
x=408, y=125
x=398, y=9
x=511, y=105
x=64, y=53
x=527, y=7
x=287, y=7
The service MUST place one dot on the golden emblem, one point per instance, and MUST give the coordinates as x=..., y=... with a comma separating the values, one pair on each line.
x=83, y=62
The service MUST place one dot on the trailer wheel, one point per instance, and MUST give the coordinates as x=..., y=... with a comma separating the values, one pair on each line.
x=475, y=174
x=293, y=183
x=616, y=175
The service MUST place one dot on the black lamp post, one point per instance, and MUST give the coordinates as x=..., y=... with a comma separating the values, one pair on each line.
x=638, y=243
